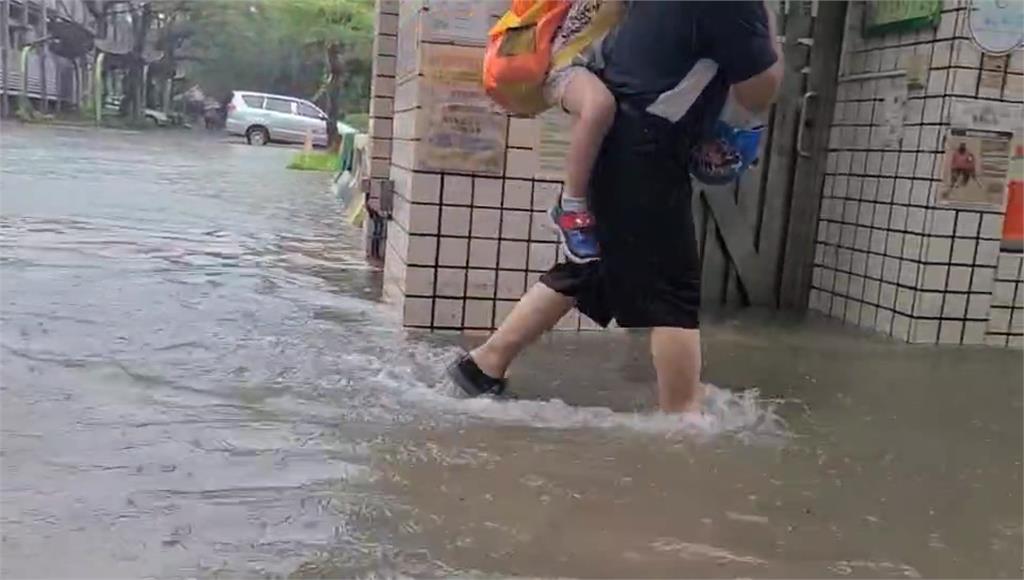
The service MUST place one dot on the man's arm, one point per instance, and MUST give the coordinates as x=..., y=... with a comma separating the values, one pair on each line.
x=743, y=43
x=758, y=92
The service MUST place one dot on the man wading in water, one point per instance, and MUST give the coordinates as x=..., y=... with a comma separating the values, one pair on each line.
x=648, y=275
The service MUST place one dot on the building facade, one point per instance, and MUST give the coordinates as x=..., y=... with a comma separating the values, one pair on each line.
x=51, y=82
x=889, y=246
x=891, y=254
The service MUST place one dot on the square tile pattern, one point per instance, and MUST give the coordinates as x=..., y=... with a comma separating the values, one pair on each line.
x=462, y=261
x=461, y=248
x=1005, y=326
x=887, y=257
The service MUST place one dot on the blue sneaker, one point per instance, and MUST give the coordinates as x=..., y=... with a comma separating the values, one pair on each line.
x=576, y=232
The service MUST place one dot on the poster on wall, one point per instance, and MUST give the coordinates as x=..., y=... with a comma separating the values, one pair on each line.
x=464, y=138
x=454, y=69
x=552, y=144
x=894, y=103
x=974, y=168
x=460, y=129
x=977, y=153
x=986, y=115
x=463, y=22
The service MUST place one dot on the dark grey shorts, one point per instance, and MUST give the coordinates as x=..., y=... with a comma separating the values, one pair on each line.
x=649, y=274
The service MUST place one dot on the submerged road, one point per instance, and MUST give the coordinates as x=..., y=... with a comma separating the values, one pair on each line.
x=199, y=380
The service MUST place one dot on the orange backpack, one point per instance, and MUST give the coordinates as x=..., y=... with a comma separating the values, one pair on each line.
x=519, y=54
x=519, y=50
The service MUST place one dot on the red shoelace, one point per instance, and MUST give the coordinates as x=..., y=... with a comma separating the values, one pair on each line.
x=575, y=220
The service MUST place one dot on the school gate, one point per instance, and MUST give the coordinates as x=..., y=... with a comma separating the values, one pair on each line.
x=757, y=236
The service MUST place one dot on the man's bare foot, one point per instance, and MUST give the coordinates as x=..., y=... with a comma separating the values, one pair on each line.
x=695, y=405
x=698, y=420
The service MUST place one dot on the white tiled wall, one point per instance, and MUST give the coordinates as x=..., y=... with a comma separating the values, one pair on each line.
x=887, y=257
x=463, y=247
x=1005, y=326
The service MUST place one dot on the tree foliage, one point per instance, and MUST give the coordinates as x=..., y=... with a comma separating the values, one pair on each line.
x=314, y=49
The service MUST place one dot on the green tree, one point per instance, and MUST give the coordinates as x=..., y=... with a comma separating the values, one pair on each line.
x=316, y=49
x=342, y=32
x=238, y=45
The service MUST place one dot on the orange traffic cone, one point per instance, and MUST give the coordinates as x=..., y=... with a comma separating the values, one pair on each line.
x=1013, y=222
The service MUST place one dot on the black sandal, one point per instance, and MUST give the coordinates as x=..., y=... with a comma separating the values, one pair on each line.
x=465, y=373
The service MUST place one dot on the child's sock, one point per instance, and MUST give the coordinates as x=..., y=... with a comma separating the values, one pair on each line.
x=574, y=204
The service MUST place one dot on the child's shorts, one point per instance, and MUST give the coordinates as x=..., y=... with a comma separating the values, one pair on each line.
x=558, y=81
x=580, y=16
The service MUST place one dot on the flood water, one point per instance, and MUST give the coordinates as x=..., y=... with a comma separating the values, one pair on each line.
x=199, y=380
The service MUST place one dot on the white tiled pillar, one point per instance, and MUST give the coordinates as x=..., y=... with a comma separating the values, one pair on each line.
x=888, y=257
x=382, y=92
x=469, y=231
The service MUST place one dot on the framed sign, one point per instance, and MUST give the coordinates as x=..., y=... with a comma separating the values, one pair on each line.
x=974, y=168
x=997, y=26
x=463, y=22
x=458, y=126
x=977, y=155
x=889, y=16
x=894, y=109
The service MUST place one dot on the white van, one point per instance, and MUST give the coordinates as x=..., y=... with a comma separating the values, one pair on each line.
x=262, y=118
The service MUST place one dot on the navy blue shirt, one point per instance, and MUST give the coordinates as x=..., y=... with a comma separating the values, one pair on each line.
x=658, y=43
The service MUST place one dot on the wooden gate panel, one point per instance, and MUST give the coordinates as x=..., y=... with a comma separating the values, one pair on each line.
x=797, y=268
x=778, y=186
x=745, y=229
x=750, y=191
x=715, y=265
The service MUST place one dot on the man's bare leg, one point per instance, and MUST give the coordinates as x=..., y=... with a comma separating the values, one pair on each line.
x=677, y=360
x=536, y=312
x=676, y=351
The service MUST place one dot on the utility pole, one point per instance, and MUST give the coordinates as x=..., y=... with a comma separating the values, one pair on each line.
x=44, y=102
x=165, y=97
x=22, y=40
x=5, y=33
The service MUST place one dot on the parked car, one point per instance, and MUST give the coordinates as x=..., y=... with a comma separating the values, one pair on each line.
x=262, y=118
x=158, y=118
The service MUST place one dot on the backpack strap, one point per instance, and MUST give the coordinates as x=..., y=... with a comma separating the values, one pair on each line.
x=512, y=20
x=606, y=18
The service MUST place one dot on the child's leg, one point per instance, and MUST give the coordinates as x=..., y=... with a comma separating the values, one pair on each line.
x=592, y=107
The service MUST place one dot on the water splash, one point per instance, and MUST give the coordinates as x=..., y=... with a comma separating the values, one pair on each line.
x=417, y=374
x=724, y=412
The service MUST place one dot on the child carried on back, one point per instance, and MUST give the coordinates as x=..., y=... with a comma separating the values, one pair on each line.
x=537, y=58
x=581, y=94
x=561, y=44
